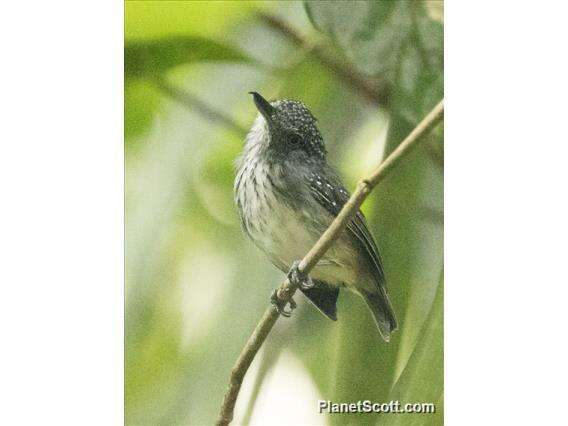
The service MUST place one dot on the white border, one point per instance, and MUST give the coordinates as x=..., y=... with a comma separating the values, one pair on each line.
x=61, y=214
x=506, y=212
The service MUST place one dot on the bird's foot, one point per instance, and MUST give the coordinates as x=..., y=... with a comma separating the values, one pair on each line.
x=281, y=307
x=298, y=278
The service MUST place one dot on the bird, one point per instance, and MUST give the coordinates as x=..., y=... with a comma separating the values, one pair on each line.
x=287, y=195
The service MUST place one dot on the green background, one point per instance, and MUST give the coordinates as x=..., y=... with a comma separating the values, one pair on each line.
x=195, y=287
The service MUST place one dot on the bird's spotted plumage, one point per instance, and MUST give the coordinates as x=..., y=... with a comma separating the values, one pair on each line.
x=287, y=195
x=299, y=121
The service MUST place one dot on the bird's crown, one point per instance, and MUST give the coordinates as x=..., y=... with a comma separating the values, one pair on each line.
x=291, y=125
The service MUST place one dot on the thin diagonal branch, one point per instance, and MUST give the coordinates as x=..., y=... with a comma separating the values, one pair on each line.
x=374, y=92
x=196, y=104
x=268, y=359
x=287, y=289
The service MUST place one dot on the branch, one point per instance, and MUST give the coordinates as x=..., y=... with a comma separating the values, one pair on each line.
x=268, y=359
x=287, y=290
x=199, y=106
x=375, y=93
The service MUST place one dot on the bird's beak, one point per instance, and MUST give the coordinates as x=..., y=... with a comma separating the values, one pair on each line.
x=263, y=106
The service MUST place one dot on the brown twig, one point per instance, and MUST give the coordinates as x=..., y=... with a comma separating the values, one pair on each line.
x=375, y=92
x=287, y=289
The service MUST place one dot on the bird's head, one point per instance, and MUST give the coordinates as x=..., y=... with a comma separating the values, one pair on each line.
x=291, y=128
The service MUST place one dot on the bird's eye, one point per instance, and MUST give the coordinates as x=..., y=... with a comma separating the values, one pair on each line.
x=295, y=139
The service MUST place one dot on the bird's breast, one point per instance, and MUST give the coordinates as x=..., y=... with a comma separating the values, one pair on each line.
x=285, y=226
x=283, y=230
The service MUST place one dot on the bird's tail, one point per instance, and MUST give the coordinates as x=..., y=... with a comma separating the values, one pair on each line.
x=382, y=311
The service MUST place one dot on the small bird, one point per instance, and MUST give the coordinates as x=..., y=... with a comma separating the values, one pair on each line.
x=287, y=196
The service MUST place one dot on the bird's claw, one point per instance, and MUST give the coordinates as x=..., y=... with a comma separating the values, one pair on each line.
x=280, y=307
x=302, y=280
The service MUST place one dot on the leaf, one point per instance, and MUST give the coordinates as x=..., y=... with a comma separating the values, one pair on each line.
x=141, y=101
x=152, y=57
x=373, y=33
x=144, y=60
x=423, y=379
x=363, y=29
x=397, y=40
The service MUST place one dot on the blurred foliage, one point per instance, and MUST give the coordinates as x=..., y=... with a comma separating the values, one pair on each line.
x=195, y=287
x=153, y=57
x=397, y=40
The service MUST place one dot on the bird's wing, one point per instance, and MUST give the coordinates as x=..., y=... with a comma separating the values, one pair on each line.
x=330, y=194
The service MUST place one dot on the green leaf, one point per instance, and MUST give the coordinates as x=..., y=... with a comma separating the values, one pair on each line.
x=423, y=379
x=373, y=33
x=153, y=57
x=145, y=60
x=141, y=101
x=397, y=40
